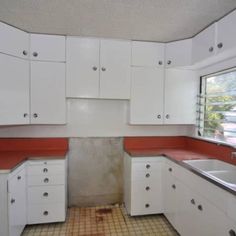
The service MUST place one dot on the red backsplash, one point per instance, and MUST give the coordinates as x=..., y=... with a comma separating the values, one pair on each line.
x=221, y=152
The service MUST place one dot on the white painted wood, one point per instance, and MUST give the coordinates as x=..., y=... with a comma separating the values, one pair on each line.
x=115, y=56
x=45, y=170
x=202, y=43
x=17, y=203
x=46, y=194
x=82, y=67
x=46, y=163
x=14, y=90
x=181, y=89
x=146, y=104
x=226, y=33
x=46, y=213
x=48, y=93
x=178, y=53
x=46, y=180
x=148, y=54
x=13, y=41
x=47, y=47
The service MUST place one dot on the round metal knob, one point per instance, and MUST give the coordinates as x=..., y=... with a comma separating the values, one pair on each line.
x=147, y=188
x=19, y=177
x=25, y=53
x=160, y=63
x=147, y=175
x=45, y=170
x=192, y=201
x=103, y=69
x=46, y=180
x=158, y=116
x=148, y=166
x=232, y=233
x=45, y=213
x=13, y=201
x=167, y=116
x=45, y=194
x=168, y=62
x=211, y=49
x=35, y=54
x=95, y=68
x=200, y=207
x=173, y=186
x=170, y=169
x=220, y=45
x=147, y=205
x=35, y=115
x=25, y=115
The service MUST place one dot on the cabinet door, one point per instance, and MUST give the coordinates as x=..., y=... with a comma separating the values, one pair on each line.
x=17, y=203
x=179, y=53
x=204, y=44
x=146, y=102
x=14, y=41
x=181, y=88
x=226, y=32
x=47, y=47
x=82, y=67
x=48, y=93
x=148, y=54
x=115, y=69
x=14, y=90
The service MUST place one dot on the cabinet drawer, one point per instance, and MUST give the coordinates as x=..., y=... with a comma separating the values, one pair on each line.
x=45, y=170
x=37, y=180
x=146, y=166
x=45, y=213
x=145, y=175
x=146, y=187
x=146, y=206
x=46, y=194
x=45, y=162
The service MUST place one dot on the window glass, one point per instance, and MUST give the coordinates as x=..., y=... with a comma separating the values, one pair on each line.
x=217, y=106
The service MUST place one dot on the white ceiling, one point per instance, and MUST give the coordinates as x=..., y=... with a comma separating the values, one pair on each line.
x=153, y=20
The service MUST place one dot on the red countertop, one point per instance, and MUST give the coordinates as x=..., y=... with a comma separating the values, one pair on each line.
x=15, y=151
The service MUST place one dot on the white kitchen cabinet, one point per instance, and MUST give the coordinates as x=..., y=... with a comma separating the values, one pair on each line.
x=17, y=201
x=47, y=47
x=178, y=53
x=14, y=90
x=148, y=54
x=82, y=67
x=204, y=44
x=226, y=33
x=115, y=59
x=48, y=105
x=13, y=41
x=146, y=102
x=142, y=183
x=98, y=68
x=181, y=88
x=46, y=190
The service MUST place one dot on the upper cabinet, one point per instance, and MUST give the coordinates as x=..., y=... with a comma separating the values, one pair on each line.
x=115, y=56
x=13, y=41
x=204, y=44
x=148, y=54
x=47, y=47
x=226, y=33
x=178, y=53
x=98, y=68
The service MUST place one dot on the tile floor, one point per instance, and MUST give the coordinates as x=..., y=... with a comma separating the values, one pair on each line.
x=103, y=221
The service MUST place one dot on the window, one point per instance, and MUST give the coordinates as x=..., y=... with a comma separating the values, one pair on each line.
x=217, y=106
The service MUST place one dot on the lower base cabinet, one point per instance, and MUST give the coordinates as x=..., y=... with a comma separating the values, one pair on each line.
x=190, y=203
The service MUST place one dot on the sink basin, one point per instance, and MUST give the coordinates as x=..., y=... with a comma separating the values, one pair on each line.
x=228, y=176
x=210, y=165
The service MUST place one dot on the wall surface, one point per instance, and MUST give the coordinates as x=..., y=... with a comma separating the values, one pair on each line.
x=95, y=118
x=95, y=171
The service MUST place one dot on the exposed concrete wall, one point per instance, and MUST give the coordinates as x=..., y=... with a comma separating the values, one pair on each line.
x=95, y=171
